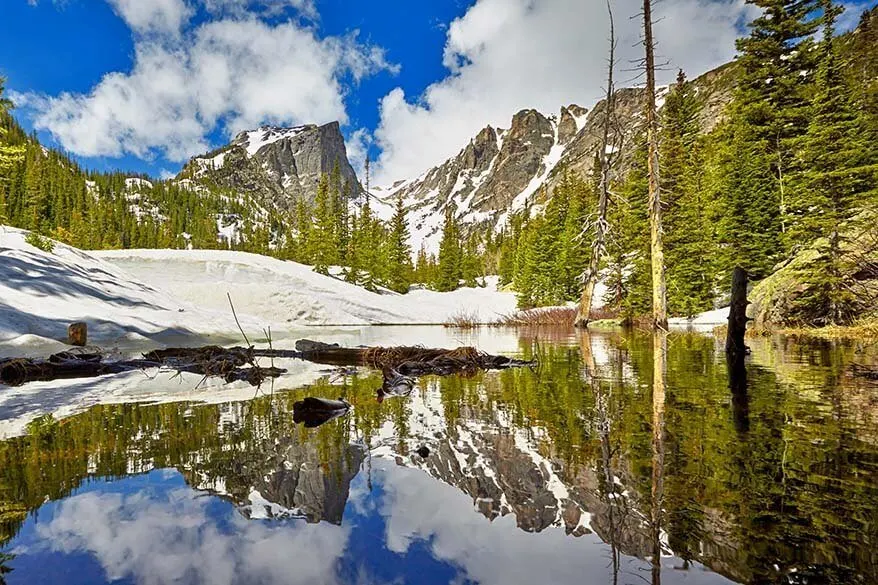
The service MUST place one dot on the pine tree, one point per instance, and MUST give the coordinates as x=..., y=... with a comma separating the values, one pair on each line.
x=840, y=178
x=324, y=245
x=449, y=253
x=399, y=251
x=768, y=116
x=690, y=265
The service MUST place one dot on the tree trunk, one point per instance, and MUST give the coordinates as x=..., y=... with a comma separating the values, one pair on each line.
x=597, y=248
x=659, y=288
x=737, y=314
x=77, y=334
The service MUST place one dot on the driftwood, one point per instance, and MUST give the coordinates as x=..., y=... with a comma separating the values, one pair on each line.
x=64, y=366
x=399, y=364
x=77, y=334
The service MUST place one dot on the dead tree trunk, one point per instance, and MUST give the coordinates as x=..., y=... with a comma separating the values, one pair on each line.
x=606, y=155
x=736, y=350
x=737, y=314
x=659, y=288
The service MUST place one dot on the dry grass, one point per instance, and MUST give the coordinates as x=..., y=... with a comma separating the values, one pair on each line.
x=550, y=317
x=464, y=320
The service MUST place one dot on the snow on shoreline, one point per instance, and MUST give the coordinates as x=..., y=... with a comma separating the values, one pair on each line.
x=168, y=296
x=42, y=292
x=283, y=294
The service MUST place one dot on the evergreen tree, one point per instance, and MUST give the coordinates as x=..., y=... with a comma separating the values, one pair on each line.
x=449, y=253
x=324, y=245
x=839, y=179
x=768, y=116
x=399, y=251
x=690, y=266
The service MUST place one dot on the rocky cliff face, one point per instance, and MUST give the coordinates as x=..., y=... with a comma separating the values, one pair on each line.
x=277, y=165
x=501, y=170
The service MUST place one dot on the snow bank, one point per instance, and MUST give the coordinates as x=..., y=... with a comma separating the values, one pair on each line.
x=42, y=292
x=288, y=294
x=708, y=318
x=167, y=296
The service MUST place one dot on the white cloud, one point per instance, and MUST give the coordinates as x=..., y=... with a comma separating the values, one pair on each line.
x=506, y=55
x=144, y=16
x=234, y=72
x=175, y=538
x=306, y=8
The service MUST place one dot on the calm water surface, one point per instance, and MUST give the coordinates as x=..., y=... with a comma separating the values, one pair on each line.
x=621, y=459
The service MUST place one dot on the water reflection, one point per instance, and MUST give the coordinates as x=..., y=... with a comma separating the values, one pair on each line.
x=621, y=456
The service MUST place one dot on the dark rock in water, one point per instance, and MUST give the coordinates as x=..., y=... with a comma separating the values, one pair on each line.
x=309, y=345
x=423, y=451
x=317, y=411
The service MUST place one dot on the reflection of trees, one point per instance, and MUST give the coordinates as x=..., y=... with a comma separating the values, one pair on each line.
x=659, y=374
x=574, y=444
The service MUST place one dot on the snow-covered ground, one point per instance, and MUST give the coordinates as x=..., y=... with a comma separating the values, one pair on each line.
x=706, y=319
x=165, y=296
x=42, y=292
x=287, y=294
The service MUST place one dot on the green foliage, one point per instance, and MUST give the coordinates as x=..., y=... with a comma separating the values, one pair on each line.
x=450, y=253
x=399, y=252
x=40, y=242
x=543, y=256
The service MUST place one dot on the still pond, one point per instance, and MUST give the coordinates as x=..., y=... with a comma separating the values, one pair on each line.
x=621, y=458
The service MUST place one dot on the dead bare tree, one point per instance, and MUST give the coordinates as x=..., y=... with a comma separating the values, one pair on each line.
x=659, y=286
x=606, y=155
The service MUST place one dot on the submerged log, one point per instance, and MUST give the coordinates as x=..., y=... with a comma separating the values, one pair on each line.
x=65, y=366
x=229, y=363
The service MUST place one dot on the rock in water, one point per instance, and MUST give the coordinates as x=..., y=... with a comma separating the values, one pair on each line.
x=317, y=411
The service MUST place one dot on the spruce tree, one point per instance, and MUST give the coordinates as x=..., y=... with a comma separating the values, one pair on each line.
x=399, y=251
x=839, y=180
x=449, y=253
x=688, y=237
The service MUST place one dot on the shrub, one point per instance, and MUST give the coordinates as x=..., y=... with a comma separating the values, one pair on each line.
x=41, y=242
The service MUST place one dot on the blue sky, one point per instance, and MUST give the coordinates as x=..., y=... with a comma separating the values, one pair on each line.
x=142, y=85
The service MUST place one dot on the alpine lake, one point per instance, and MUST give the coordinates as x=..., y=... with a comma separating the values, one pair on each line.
x=620, y=458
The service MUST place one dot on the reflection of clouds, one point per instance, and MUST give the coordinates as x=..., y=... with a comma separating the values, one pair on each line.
x=174, y=539
x=417, y=507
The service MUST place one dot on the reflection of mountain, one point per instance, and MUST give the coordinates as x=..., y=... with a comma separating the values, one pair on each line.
x=502, y=467
x=299, y=485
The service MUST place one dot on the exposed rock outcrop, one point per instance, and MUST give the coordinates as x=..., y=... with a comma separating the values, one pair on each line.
x=277, y=165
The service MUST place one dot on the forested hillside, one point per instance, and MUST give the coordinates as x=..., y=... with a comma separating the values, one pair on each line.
x=793, y=165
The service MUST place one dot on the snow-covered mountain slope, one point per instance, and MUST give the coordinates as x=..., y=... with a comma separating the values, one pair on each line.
x=502, y=170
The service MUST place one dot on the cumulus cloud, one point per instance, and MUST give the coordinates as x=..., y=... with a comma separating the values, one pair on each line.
x=306, y=8
x=163, y=16
x=232, y=72
x=506, y=55
x=174, y=537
